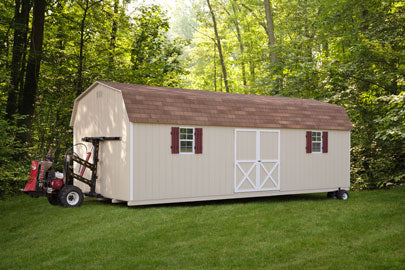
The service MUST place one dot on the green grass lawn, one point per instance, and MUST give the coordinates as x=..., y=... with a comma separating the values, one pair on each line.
x=288, y=232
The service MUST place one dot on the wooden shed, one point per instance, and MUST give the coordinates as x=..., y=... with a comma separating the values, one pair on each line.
x=181, y=145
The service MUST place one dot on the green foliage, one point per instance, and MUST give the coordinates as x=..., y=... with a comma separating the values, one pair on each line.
x=6, y=20
x=114, y=47
x=154, y=57
x=13, y=173
x=345, y=52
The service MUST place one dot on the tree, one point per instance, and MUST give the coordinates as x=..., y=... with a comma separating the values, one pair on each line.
x=154, y=57
x=270, y=29
x=346, y=52
x=85, y=7
x=28, y=95
x=21, y=18
x=218, y=43
x=114, y=28
x=234, y=18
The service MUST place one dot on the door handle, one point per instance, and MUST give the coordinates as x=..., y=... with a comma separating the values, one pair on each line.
x=259, y=160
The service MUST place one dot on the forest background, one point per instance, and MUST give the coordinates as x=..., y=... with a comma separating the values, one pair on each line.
x=347, y=52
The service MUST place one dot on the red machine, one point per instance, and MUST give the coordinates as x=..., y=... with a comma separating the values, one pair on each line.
x=57, y=186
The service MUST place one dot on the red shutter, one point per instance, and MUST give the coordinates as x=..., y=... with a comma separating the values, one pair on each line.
x=175, y=140
x=324, y=142
x=198, y=141
x=309, y=142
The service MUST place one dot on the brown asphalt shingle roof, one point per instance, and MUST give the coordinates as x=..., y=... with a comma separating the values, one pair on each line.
x=162, y=105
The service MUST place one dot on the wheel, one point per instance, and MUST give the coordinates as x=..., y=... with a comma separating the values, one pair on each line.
x=54, y=199
x=331, y=195
x=342, y=195
x=71, y=196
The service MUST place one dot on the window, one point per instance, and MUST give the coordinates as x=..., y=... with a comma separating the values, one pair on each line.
x=316, y=142
x=186, y=140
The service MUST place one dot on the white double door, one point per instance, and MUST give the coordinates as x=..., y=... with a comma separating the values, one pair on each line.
x=257, y=160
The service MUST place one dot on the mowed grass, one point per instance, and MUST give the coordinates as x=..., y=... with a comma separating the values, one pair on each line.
x=288, y=232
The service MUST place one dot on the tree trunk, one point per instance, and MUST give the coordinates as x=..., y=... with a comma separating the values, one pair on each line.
x=113, y=35
x=221, y=58
x=270, y=29
x=21, y=19
x=241, y=47
x=79, y=82
x=34, y=60
x=252, y=69
x=61, y=35
x=215, y=67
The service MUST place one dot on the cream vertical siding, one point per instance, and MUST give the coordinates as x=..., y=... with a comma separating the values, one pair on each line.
x=160, y=176
x=148, y=173
x=302, y=171
x=101, y=112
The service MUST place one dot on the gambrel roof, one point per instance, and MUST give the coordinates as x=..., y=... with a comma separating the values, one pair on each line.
x=163, y=105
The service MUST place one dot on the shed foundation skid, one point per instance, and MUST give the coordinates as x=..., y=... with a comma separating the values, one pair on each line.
x=245, y=195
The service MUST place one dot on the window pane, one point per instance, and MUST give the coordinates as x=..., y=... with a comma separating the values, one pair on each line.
x=189, y=137
x=186, y=150
x=316, y=136
x=316, y=147
x=182, y=136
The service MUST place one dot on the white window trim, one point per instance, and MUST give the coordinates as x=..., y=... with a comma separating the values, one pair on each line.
x=188, y=140
x=321, y=147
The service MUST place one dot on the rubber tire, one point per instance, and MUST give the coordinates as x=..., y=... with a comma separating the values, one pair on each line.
x=54, y=199
x=331, y=195
x=64, y=193
x=342, y=195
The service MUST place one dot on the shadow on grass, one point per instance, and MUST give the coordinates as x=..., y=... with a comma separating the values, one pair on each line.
x=93, y=202
x=267, y=200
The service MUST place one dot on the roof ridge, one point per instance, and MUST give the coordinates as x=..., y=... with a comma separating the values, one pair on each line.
x=215, y=92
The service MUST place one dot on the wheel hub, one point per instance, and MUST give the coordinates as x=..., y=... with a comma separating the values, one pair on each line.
x=73, y=198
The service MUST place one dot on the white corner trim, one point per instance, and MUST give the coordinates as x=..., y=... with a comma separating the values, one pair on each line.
x=131, y=161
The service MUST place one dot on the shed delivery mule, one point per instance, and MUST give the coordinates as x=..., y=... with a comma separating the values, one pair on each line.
x=187, y=145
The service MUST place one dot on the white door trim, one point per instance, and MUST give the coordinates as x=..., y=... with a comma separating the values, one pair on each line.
x=257, y=164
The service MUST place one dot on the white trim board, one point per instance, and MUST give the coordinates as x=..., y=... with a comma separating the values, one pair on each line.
x=131, y=161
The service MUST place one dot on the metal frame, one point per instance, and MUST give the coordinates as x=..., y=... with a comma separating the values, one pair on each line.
x=68, y=168
x=257, y=164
